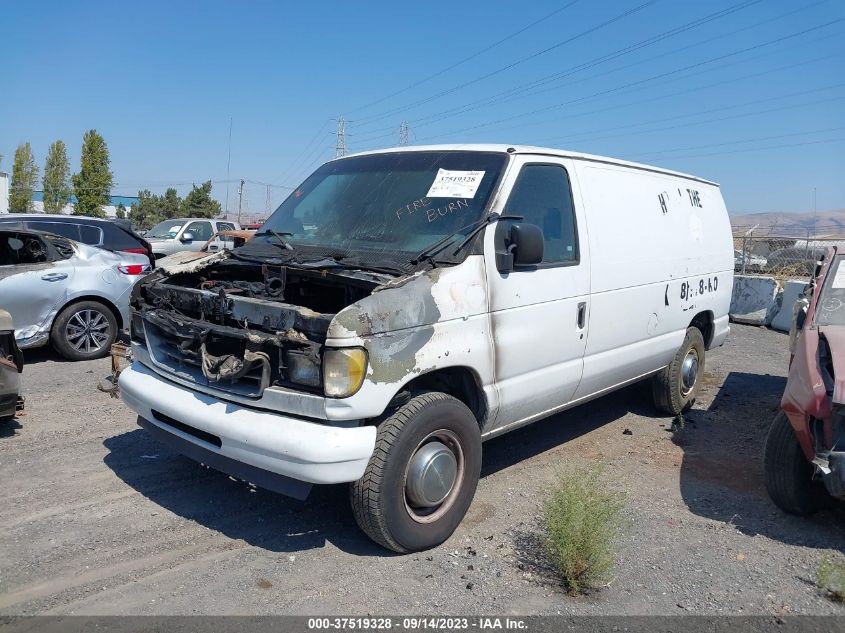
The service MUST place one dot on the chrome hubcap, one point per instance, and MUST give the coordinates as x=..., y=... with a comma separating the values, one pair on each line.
x=87, y=331
x=434, y=476
x=431, y=475
x=689, y=372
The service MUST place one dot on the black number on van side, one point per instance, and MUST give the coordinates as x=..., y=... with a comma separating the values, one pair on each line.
x=694, y=198
x=688, y=291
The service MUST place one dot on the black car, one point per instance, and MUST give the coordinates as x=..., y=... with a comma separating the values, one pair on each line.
x=112, y=235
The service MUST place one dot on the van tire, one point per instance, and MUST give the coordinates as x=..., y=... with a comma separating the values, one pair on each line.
x=380, y=499
x=107, y=326
x=668, y=389
x=788, y=474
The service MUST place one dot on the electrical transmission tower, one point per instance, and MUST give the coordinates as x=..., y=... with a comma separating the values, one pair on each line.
x=340, y=146
x=403, y=133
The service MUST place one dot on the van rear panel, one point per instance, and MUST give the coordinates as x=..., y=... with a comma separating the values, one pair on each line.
x=661, y=255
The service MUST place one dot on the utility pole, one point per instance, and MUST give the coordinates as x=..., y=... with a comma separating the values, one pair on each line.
x=267, y=203
x=240, y=199
x=403, y=133
x=340, y=146
x=228, y=164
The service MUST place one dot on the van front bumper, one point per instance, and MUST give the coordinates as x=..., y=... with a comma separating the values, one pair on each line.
x=264, y=448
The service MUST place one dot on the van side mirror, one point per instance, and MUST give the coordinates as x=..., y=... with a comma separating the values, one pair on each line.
x=187, y=236
x=517, y=245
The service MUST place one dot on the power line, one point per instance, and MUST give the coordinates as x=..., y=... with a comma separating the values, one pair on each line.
x=740, y=142
x=466, y=59
x=758, y=149
x=719, y=119
x=700, y=112
x=305, y=149
x=696, y=88
x=639, y=82
x=443, y=93
x=518, y=91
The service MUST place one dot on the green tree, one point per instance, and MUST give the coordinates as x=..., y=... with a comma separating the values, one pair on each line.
x=92, y=185
x=56, y=181
x=120, y=211
x=24, y=177
x=199, y=203
x=169, y=204
x=145, y=213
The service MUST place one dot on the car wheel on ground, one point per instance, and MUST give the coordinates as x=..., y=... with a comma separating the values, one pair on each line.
x=675, y=386
x=84, y=330
x=789, y=476
x=422, y=476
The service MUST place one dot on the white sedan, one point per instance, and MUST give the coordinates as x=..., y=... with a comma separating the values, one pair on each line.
x=73, y=296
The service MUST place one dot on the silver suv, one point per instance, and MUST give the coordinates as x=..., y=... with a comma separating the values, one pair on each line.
x=186, y=234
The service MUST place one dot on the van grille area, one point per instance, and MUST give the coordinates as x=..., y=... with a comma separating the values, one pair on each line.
x=219, y=357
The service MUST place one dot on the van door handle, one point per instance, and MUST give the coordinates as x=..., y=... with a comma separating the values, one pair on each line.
x=582, y=314
x=54, y=276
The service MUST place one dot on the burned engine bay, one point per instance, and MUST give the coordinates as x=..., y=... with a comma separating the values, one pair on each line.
x=241, y=326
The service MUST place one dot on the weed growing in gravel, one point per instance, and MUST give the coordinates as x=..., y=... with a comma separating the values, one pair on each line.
x=581, y=520
x=830, y=578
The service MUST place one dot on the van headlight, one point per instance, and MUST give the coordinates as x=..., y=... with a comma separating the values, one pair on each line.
x=343, y=371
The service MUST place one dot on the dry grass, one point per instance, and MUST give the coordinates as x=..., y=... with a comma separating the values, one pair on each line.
x=830, y=578
x=581, y=520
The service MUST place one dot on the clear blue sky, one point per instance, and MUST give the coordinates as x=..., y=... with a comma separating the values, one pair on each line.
x=160, y=80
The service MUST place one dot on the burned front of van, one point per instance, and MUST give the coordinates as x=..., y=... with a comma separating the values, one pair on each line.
x=270, y=361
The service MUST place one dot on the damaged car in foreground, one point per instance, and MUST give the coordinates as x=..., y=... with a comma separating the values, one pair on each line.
x=805, y=448
x=70, y=295
x=400, y=306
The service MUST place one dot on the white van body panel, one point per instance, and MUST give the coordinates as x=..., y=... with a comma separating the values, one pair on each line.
x=652, y=233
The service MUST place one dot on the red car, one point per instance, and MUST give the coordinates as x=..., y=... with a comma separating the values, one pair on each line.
x=805, y=448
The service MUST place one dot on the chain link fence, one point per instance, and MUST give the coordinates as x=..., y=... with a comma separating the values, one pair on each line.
x=780, y=256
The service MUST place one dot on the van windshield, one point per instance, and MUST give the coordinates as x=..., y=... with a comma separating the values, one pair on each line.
x=390, y=205
x=166, y=229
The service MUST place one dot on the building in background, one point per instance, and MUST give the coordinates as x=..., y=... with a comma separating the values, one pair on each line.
x=38, y=200
x=4, y=192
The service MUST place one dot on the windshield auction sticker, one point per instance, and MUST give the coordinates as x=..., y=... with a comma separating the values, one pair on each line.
x=455, y=184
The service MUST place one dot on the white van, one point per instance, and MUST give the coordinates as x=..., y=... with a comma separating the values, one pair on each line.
x=402, y=306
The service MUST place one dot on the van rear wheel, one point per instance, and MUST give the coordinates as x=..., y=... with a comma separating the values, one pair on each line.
x=675, y=387
x=422, y=476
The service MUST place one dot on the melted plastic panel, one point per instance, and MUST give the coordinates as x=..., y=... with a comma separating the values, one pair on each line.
x=242, y=328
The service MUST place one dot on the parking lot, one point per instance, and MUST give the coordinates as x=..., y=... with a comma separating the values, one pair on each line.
x=99, y=518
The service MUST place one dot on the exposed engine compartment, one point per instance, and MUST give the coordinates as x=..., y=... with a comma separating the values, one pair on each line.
x=242, y=327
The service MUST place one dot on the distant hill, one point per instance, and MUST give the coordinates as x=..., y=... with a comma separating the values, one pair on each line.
x=820, y=224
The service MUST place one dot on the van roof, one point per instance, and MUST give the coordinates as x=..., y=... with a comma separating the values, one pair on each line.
x=530, y=149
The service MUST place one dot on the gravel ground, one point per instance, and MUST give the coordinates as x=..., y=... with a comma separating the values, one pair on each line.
x=97, y=518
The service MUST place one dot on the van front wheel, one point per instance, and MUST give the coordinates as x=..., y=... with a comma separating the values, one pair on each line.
x=675, y=386
x=422, y=476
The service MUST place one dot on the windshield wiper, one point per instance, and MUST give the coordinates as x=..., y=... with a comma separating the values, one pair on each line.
x=278, y=235
x=474, y=229
x=387, y=270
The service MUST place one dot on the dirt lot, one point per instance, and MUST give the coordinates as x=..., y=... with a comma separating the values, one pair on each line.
x=98, y=518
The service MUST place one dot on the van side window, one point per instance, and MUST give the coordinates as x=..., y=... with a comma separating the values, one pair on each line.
x=542, y=196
